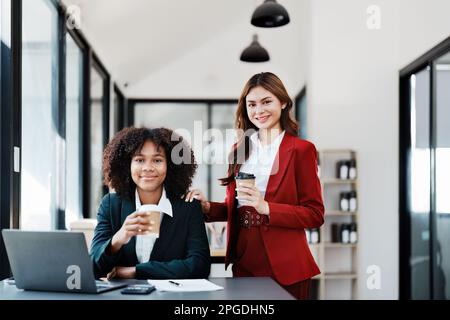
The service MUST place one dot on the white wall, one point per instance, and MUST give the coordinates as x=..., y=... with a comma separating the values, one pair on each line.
x=353, y=103
x=423, y=25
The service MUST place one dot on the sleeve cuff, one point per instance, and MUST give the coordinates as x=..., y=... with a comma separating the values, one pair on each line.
x=140, y=271
x=110, y=259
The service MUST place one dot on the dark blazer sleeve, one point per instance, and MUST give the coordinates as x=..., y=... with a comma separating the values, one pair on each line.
x=197, y=262
x=103, y=262
x=309, y=211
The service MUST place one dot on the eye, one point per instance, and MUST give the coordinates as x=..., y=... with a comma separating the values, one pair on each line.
x=267, y=102
x=251, y=105
x=158, y=160
x=139, y=160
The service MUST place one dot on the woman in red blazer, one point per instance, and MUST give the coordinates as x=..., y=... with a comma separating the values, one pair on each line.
x=267, y=222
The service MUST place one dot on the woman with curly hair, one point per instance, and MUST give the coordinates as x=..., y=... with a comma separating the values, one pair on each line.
x=139, y=164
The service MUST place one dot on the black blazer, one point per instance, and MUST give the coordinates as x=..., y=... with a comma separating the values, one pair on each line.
x=181, y=251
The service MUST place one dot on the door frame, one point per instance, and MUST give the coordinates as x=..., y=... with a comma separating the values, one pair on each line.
x=425, y=61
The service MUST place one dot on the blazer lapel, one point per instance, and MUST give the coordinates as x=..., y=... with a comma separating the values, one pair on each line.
x=279, y=166
x=128, y=207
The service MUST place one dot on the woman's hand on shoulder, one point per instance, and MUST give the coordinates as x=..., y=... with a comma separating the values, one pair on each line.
x=198, y=194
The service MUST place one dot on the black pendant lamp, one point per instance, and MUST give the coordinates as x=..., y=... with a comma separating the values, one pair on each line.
x=254, y=52
x=270, y=14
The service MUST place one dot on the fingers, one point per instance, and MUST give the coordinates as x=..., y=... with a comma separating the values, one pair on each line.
x=116, y=272
x=187, y=196
x=131, y=216
x=139, y=218
x=143, y=215
x=244, y=197
x=247, y=187
x=138, y=223
x=194, y=194
x=247, y=198
x=191, y=195
x=111, y=274
x=248, y=190
x=138, y=214
x=138, y=229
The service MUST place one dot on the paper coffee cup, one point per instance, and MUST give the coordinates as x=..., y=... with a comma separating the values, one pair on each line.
x=155, y=218
x=244, y=179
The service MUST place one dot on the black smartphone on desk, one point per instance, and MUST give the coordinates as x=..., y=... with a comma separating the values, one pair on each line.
x=138, y=289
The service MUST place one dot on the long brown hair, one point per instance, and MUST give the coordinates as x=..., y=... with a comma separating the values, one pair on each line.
x=271, y=83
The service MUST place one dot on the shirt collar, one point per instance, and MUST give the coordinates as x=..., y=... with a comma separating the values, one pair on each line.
x=163, y=205
x=254, y=138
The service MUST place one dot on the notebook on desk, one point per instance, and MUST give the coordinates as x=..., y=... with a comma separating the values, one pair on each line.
x=52, y=261
x=184, y=285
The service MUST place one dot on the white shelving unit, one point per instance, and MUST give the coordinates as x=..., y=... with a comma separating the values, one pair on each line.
x=337, y=261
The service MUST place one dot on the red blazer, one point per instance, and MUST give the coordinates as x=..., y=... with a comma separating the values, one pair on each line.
x=295, y=200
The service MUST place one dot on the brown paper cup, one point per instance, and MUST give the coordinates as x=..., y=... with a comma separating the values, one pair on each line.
x=155, y=217
x=244, y=182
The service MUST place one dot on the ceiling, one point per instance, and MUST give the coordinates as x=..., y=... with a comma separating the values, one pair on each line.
x=135, y=38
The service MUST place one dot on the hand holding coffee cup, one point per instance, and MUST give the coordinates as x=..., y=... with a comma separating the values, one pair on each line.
x=249, y=194
x=137, y=223
x=153, y=217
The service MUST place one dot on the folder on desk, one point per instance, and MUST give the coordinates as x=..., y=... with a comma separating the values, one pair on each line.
x=184, y=285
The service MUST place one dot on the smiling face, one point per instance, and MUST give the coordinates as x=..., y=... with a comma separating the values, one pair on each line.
x=149, y=168
x=264, y=108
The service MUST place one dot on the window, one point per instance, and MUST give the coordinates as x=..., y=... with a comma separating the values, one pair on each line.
x=39, y=115
x=74, y=107
x=222, y=119
x=420, y=184
x=5, y=115
x=442, y=184
x=222, y=122
x=116, y=113
x=99, y=122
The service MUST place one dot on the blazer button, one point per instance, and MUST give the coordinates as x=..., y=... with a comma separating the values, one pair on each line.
x=266, y=228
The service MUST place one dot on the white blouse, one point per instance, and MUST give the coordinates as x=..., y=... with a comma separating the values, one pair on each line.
x=261, y=161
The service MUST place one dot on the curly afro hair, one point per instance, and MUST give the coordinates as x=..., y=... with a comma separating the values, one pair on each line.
x=129, y=141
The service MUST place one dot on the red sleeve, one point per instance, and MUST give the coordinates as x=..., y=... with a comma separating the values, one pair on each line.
x=309, y=213
x=219, y=210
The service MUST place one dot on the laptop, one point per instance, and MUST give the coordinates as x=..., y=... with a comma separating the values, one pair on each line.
x=52, y=261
